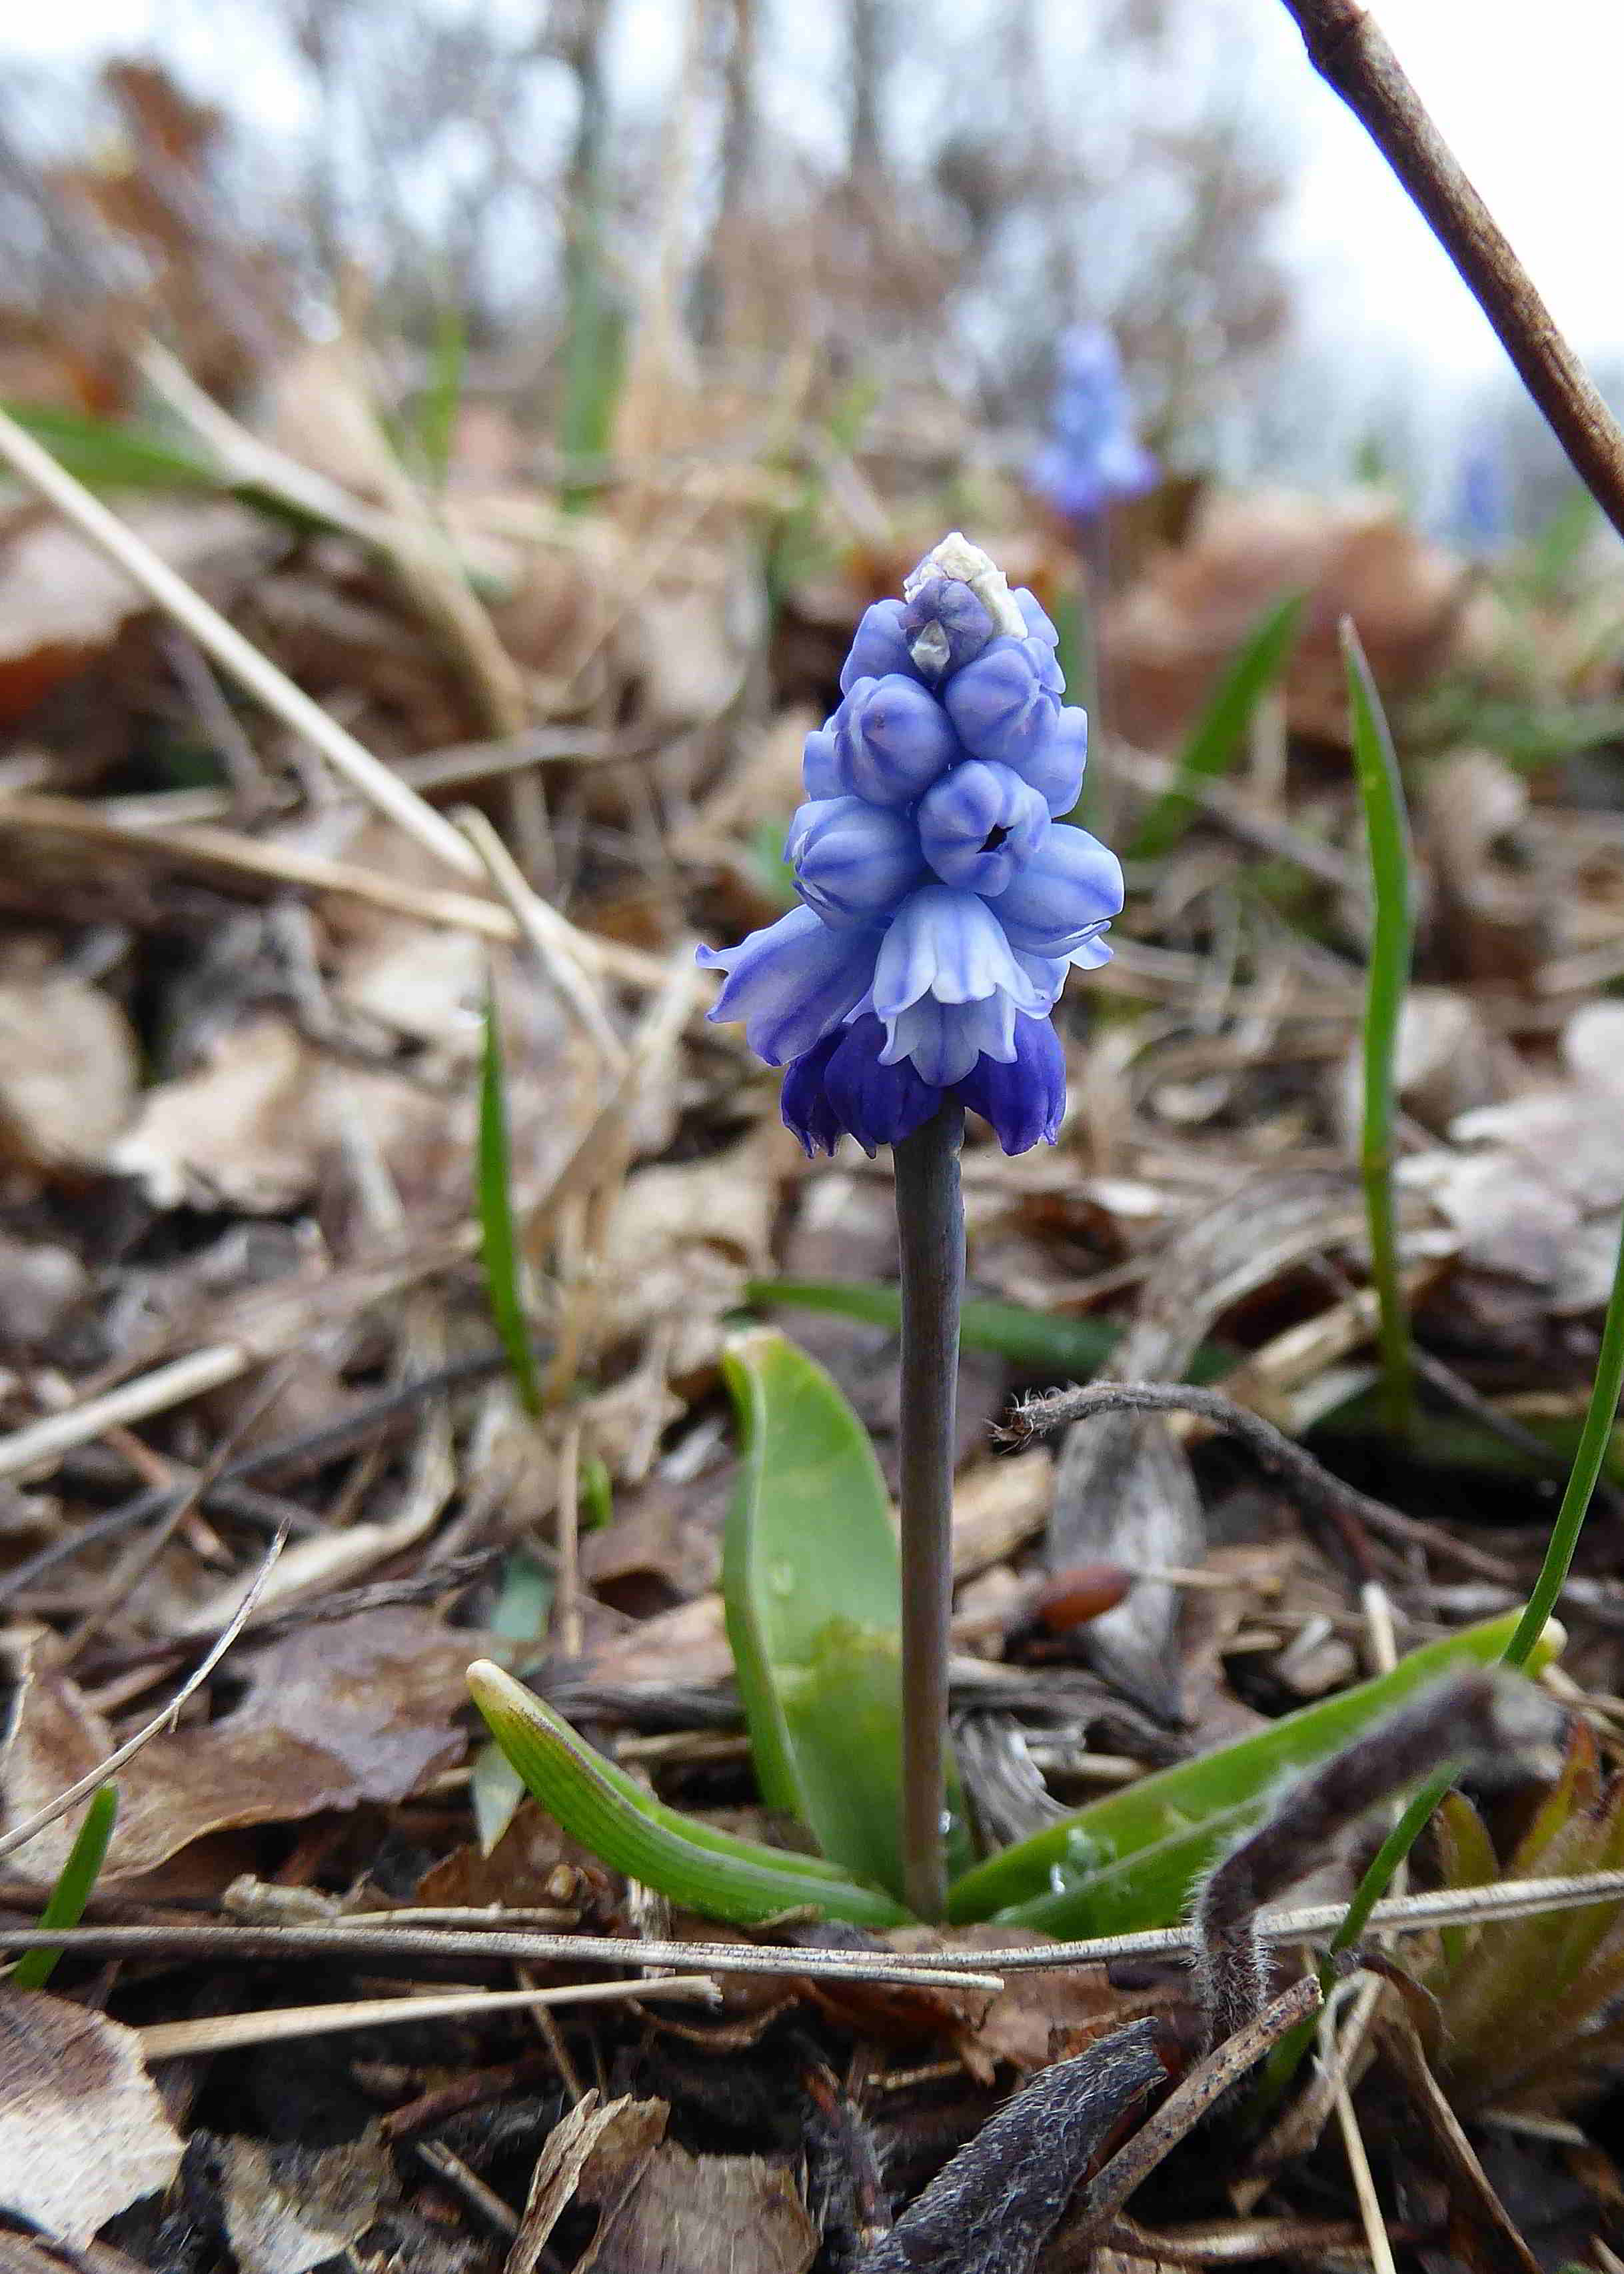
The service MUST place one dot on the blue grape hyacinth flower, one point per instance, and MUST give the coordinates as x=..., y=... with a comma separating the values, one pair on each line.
x=943, y=900
x=1092, y=457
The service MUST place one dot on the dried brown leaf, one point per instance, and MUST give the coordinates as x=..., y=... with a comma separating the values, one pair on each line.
x=288, y=2207
x=359, y=1709
x=597, y=2152
x=68, y=1070
x=82, y=2132
x=706, y=2215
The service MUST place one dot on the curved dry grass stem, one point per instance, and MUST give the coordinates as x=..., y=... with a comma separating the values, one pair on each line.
x=1349, y=50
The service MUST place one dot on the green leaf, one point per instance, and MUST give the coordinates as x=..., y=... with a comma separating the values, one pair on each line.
x=1130, y=1860
x=704, y=1870
x=498, y=1245
x=106, y=457
x=1386, y=836
x=1074, y=1348
x=1217, y=734
x=523, y=1604
x=812, y=1587
x=72, y=1892
x=437, y=413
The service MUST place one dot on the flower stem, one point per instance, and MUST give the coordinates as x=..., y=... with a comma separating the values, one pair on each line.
x=930, y=1225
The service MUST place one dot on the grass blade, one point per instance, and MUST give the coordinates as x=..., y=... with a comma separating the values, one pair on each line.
x=1073, y=1348
x=498, y=1245
x=1130, y=1860
x=693, y=1863
x=78, y=1875
x=1257, y=664
x=1387, y=832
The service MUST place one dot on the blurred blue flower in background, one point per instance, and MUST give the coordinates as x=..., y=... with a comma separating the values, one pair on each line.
x=1092, y=457
x=944, y=904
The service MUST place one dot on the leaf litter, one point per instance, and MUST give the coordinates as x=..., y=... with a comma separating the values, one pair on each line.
x=237, y=1113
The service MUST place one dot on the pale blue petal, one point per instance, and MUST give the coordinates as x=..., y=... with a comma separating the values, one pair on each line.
x=948, y=944
x=792, y=981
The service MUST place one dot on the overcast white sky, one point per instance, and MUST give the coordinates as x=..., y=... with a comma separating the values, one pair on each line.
x=1526, y=90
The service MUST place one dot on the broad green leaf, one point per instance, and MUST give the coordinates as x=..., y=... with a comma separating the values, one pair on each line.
x=520, y=1614
x=1130, y=1860
x=693, y=1863
x=498, y=1245
x=1074, y=1348
x=812, y=1588
x=1217, y=733
x=78, y=1875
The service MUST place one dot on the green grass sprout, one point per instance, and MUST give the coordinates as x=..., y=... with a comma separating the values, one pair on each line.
x=78, y=1875
x=1386, y=831
x=1257, y=666
x=499, y=1246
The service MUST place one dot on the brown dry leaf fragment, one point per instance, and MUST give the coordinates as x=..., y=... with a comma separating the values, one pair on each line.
x=62, y=601
x=598, y=2151
x=236, y=1132
x=1490, y=920
x=83, y=2134
x=1125, y=1492
x=288, y=2209
x=1533, y=1184
x=68, y=1069
x=706, y=2215
x=683, y=1240
x=1447, y=1063
x=1172, y=632
x=346, y=1710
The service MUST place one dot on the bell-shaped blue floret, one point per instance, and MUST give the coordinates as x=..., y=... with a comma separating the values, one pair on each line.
x=852, y=861
x=977, y=824
x=945, y=624
x=1023, y=1098
x=1003, y=706
x=820, y=762
x=880, y=1104
x=950, y=946
x=792, y=981
x=805, y=1102
x=1055, y=767
x=892, y=739
x=879, y=647
x=1062, y=897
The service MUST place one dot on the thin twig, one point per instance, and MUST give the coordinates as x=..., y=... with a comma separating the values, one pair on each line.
x=105, y=1770
x=214, y=2033
x=235, y=655
x=1348, y=48
x=396, y=1947
x=1311, y=1486
x=1423, y=1914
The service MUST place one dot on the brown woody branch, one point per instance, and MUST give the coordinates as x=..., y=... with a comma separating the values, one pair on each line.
x=1350, y=51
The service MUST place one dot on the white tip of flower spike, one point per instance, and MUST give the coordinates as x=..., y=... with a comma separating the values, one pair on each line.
x=966, y=564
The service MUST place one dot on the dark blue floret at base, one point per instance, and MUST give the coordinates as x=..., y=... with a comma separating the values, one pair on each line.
x=943, y=898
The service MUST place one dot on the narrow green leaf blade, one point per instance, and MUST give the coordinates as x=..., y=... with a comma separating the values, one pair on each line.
x=72, y=1892
x=1130, y=1860
x=1072, y=1347
x=695, y=1864
x=499, y=1245
x=812, y=1588
x=1217, y=733
x=1386, y=836
x=522, y=1607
